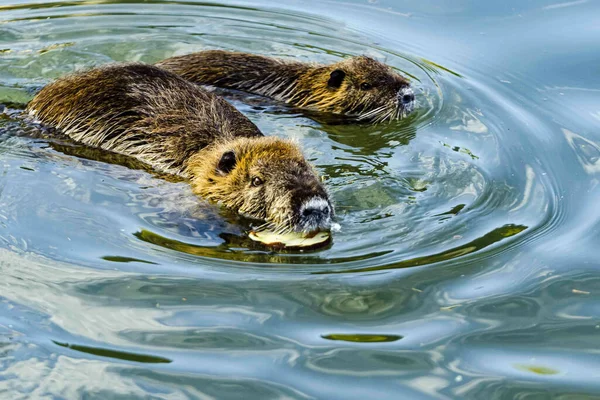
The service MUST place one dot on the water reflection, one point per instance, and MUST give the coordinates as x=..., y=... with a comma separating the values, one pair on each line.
x=366, y=141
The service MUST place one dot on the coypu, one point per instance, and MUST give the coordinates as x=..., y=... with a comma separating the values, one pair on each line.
x=179, y=128
x=359, y=87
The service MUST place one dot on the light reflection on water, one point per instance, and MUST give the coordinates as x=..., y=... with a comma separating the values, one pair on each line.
x=466, y=264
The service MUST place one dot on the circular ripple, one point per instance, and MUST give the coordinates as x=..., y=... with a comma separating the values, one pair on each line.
x=433, y=187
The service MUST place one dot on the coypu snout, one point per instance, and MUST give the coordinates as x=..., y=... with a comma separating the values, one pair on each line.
x=310, y=205
x=407, y=97
x=264, y=178
x=315, y=215
x=296, y=199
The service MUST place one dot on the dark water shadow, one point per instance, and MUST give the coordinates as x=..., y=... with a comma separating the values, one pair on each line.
x=120, y=355
x=362, y=338
x=121, y=259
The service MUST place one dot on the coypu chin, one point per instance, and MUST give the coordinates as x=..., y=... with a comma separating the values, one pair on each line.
x=179, y=128
x=359, y=87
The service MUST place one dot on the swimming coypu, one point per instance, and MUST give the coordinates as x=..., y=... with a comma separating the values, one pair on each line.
x=360, y=87
x=179, y=128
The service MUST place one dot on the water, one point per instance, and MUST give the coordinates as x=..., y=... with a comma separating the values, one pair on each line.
x=466, y=266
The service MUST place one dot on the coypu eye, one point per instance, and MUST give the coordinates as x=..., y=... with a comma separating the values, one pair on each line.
x=256, y=181
x=365, y=86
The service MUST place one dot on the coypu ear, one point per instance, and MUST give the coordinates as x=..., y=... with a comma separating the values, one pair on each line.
x=336, y=78
x=227, y=162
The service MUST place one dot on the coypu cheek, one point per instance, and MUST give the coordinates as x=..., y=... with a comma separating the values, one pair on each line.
x=358, y=101
x=280, y=212
x=377, y=98
x=277, y=202
x=253, y=203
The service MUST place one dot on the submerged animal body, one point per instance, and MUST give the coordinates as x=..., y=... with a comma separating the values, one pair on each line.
x=359, y=87
x=178, y=128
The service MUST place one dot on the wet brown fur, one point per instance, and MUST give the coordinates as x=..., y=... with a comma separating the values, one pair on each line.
x=335, y=88
x=141, y=111
x=179, y=128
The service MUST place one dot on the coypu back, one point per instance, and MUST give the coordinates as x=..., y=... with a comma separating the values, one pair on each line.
x=141, y=111
x=359, y=87
x=234, y=70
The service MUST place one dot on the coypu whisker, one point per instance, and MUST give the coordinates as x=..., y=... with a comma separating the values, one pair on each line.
x=267, y=226
x=354, y=87
x=371, y=113
x=283, y=230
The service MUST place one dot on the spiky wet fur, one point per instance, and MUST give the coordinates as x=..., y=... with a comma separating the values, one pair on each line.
x=179, y=128
x=300, y=84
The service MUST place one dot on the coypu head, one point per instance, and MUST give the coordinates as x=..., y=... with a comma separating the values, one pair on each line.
x=265, y=178
x=363, y=88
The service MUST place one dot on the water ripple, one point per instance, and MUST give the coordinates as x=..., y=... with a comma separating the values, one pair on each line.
x=469, y=229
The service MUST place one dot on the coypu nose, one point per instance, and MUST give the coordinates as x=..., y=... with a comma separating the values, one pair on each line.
x=315, y=214
x=406, y=95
